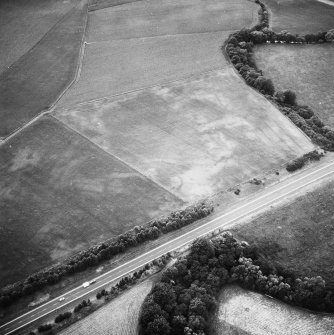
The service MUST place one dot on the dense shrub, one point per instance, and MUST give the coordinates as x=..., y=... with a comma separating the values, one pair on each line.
x=329, y=37
x=44, y=328
x=82, y=305
x=104, y=251
x=63, y=316
x=299, y=162
x=186, y=294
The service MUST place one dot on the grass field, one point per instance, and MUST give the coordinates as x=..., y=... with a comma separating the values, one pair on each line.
x=308, y=70
x=300, y=16
x=24, y=22
x=37, y=79
x=242, y=312
x=150, y=42
x=149, y=18
x=299, y=235
x=193, y=137
x=119, y=317
x=121, y=66
x=59, y=194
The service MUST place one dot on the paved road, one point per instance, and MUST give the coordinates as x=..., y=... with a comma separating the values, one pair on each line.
x=241, y=210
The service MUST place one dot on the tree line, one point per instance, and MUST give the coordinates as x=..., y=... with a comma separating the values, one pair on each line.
x=239, y=48
x=299, y=162
x=104, y=251
x=181, y=302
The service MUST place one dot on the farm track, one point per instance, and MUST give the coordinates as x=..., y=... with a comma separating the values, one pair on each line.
x=25, y=98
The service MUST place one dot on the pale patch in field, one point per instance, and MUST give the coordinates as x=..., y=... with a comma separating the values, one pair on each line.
x=23, y=158
x=193, y=137
x=260, y=315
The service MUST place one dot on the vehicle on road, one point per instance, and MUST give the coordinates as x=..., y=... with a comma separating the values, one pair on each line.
x=85, y=284
x=61, y=298
x=92, y=282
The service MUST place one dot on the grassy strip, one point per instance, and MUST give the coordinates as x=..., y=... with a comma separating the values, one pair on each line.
x=239, y=48
x=186, y=294
x=87, y=307
x=104, y=251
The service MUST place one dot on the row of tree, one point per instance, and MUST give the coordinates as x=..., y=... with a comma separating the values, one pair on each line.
x=122, y=285
x=299, y=162
x=104, y=251
x=239, y=48
x=186, y=294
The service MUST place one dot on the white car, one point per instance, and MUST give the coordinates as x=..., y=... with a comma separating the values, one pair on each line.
x=62, y=299
x=85, y=284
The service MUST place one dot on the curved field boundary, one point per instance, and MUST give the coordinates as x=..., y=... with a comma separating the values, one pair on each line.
x=38, y=79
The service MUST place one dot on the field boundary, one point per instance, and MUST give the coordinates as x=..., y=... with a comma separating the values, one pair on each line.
x=263, y=97
x=113, y=156
x=78, y=70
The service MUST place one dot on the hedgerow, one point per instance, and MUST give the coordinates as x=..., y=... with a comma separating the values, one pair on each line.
x=239, y=48
x=104, y=251
x=299, y=162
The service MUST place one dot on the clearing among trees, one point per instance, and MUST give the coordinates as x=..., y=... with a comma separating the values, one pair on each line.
x=244, y=312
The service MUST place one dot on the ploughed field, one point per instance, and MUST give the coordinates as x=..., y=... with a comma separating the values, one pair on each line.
x=244, y=312
x=59, y=193
x=308, y=70
x=300, y=16
x=149, y=42
x=193, y=137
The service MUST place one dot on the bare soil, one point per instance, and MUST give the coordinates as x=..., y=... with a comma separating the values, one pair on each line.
x=308, y=70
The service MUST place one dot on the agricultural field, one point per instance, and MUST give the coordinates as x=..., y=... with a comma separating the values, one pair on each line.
x=59, y=194
x=150, y=18
x=243, y=312
x=145, y=43
x=193, y=137
x=34, y=82
x=24, y=22
x=297, y=236
x=119, y=317
x=308, y=70
x=300, y=16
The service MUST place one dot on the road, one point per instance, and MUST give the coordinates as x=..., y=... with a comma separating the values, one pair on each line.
x=243, y=209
